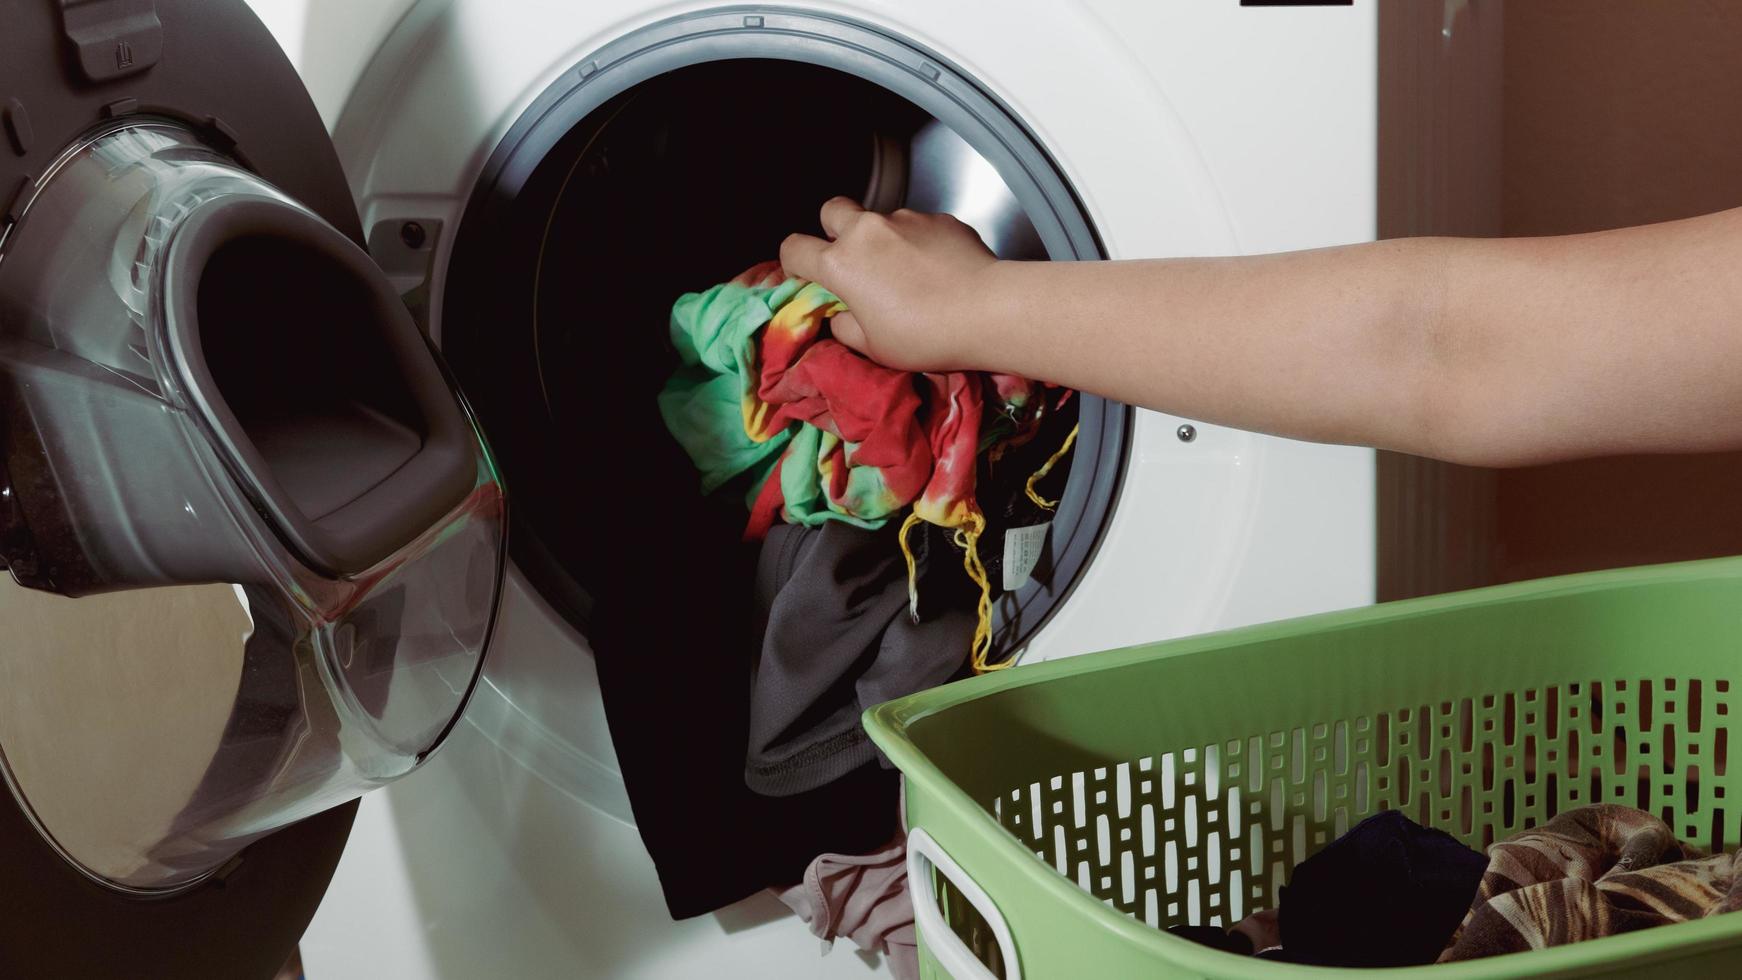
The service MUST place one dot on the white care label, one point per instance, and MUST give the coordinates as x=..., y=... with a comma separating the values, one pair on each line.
x=1022, y=550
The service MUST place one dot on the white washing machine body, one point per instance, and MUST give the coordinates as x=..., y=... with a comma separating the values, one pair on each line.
x=1184, y=128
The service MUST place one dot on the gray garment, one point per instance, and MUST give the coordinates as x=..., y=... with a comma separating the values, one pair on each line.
x=837, y=638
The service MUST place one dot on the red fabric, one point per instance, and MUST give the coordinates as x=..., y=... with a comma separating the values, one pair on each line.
x=766, y=509
x=920, y=432
x=953, y=432
x=836, y=390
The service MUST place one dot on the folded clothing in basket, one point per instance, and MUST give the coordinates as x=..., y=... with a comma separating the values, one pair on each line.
x=1385, y=893
x=1592, y=872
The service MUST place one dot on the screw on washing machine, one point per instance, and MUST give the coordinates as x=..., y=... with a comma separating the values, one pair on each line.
x=412, y=234
x=1186, y=432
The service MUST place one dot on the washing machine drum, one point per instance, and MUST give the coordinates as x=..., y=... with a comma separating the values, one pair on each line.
x=255, y=539
x=677, y=156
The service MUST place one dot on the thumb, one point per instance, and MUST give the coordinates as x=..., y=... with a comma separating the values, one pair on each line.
x=846, y=329
x=802, y=256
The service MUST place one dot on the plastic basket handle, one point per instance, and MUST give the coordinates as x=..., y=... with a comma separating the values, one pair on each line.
x=924, y=854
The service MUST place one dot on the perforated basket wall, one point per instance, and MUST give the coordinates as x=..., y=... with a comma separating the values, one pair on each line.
x=1209, y=833
x=1182, y=782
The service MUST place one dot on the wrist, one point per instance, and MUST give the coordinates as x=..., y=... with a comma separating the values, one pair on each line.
x=976, y=317
x=989, y=313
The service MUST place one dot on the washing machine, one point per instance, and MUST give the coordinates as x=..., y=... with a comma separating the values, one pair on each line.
x=505, y=194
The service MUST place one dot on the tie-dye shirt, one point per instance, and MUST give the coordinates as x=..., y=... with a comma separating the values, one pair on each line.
x=857, y=442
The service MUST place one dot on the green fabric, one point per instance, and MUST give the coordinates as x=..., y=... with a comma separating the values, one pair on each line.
x=763, y=470
x=803, y=489
x=702, y=403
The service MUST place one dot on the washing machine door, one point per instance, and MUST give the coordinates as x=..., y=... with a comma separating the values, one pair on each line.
x=255, y=539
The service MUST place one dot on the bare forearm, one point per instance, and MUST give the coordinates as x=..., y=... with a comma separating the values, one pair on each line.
x=1313, y=345
x=1491, y=351
x=1627, y=341
x=1495, y=352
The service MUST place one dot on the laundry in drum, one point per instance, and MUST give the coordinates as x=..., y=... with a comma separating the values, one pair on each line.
x=828, y=435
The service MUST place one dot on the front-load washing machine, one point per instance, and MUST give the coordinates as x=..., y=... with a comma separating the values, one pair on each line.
x=536, y=180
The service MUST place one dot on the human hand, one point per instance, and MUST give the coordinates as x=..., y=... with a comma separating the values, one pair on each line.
x=911, y=282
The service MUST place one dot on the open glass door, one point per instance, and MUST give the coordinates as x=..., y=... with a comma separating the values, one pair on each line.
x=254, y=536
x=223, y=431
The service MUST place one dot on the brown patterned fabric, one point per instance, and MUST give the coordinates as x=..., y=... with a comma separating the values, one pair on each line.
x=1592, y=872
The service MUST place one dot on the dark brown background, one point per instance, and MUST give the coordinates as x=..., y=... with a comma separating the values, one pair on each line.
x=1608, y=113
x=1619, y=112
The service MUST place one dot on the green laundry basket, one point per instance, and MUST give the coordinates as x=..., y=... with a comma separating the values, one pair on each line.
x=1059, y=813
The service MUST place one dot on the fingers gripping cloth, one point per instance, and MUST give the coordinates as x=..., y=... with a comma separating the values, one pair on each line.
x=830, y=435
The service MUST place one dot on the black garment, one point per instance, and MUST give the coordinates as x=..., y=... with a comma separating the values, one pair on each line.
x=1390, y=892
x=837, y=638
x=673, y=637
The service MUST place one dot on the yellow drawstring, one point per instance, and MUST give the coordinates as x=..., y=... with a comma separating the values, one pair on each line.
x=1046, y=468
x=968, y=539
x=912, y=566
